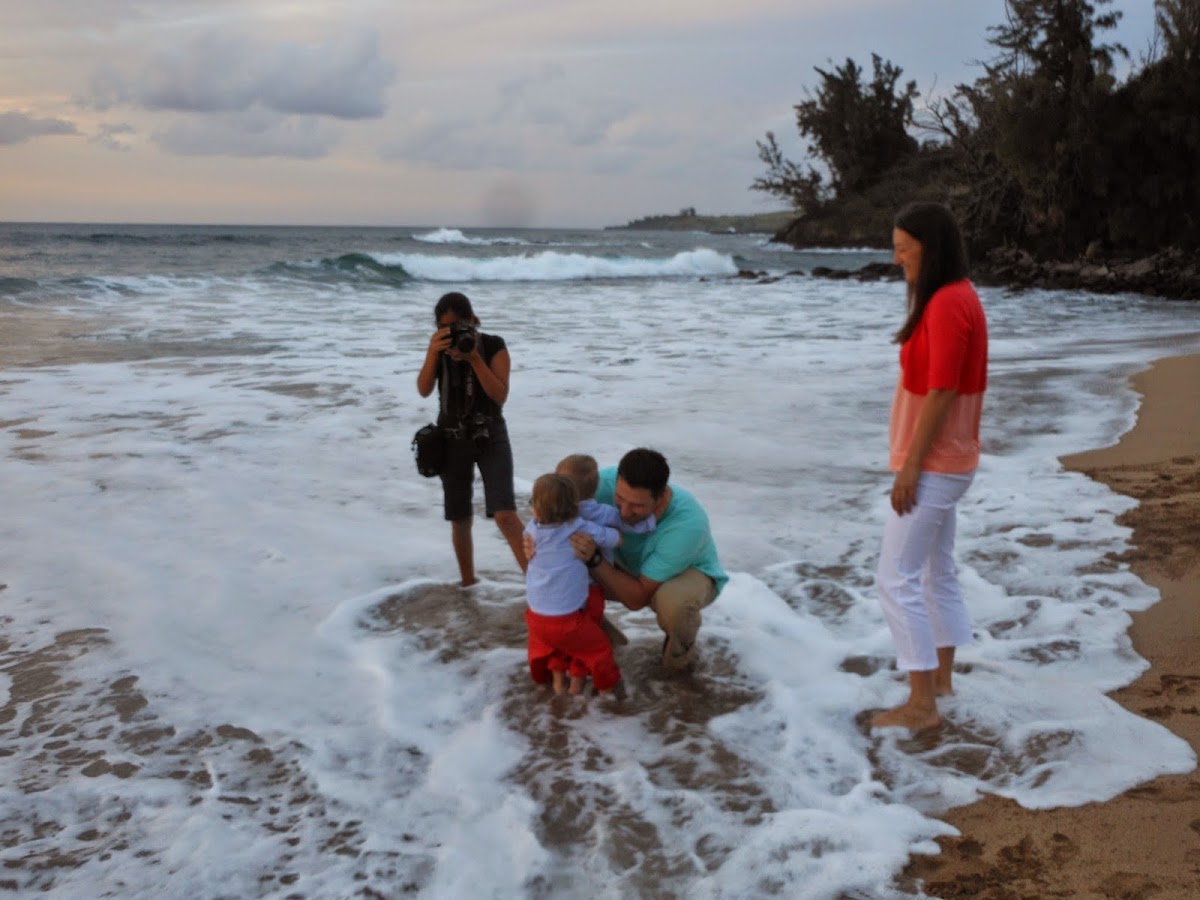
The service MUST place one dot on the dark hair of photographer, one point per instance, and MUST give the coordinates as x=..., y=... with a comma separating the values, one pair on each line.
x=645, y=469
x=456, y=303
x=471, y=372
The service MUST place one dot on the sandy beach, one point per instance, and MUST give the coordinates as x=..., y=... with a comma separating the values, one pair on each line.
x=1145, y=843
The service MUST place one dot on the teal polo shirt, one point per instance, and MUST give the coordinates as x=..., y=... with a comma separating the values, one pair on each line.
x=682, y=540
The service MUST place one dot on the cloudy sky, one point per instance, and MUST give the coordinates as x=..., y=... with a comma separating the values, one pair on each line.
x=435, y=112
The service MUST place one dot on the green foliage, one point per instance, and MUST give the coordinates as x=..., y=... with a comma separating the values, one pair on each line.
x=1047, y=151
x=858, y=131
x=1043, y=97
x=1178, y=24
x=1154, y=139
x=804, y=190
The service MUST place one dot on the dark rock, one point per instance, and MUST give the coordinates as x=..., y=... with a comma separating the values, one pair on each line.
x=879, y=271
x=869, y=272
x=827, y=272
x=1170, y=273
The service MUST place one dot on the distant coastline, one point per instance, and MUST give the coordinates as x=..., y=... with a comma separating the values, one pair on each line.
x=1169, y=273
x=689, y=220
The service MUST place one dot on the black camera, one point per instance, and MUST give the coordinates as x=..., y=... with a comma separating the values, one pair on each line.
x=463, y=336
x=481, y=428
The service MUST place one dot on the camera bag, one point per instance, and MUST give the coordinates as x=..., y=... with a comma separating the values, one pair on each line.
x=429, y=450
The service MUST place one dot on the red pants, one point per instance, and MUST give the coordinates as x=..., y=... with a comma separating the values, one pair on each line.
x=574, y=643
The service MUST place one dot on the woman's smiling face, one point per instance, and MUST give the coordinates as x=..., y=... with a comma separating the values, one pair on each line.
x=906, y=254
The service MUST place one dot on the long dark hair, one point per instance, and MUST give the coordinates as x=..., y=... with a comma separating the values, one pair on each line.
x=943, y=256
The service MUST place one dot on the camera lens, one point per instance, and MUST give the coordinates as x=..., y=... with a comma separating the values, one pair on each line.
x=465, y=343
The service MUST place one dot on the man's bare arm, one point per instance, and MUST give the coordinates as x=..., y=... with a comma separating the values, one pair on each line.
x=632, y=592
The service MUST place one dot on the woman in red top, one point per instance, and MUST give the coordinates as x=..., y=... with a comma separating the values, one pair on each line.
x=934, y=451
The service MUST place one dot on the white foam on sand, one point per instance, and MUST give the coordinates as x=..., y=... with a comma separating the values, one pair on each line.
x=249, y=533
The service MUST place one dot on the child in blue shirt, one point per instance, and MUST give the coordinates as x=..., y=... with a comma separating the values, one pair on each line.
x=564, y=636
x=584, y=473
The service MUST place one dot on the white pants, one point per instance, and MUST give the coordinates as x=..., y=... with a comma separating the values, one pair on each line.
x=917, y=578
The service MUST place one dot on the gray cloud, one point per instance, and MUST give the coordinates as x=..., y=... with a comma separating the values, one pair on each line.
x=256, y=133
x=220, y=71
x=462, y=145
x=110, y=136
x=515, y=93
x=537, y=100
x=458, y=144
x=538, y=122
x=19, y=127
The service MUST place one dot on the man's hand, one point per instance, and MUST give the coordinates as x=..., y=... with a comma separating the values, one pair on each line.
x=528, y=545
x=583, y=545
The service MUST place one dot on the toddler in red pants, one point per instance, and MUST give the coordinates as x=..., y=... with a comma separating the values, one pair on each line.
x=565, y=639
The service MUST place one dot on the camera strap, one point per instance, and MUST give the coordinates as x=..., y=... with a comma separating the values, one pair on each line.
x=459, y=380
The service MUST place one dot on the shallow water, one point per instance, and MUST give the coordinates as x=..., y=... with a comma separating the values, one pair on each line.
x=234, y=666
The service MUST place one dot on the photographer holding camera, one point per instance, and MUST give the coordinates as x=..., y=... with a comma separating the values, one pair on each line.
x=471, y=372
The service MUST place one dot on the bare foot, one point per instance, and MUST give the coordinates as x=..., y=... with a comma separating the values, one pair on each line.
x=468, y=582
x=576, y=685
x=911, y=717
x=559, y=683
x=943, y=690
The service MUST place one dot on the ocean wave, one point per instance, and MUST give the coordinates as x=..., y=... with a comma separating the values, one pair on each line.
x=12, y=286
x=95, y=287
x=554, y=266
x=355, y=266
x=167, y=239
x=454, y=236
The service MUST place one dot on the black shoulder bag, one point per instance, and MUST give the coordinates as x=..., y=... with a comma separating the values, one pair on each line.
x=429, y=443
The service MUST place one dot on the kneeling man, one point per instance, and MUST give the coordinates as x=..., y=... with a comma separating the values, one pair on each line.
x=674, y=569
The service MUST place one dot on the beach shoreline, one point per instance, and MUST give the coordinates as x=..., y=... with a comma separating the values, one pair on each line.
x=1145, y=842
x=44, y=337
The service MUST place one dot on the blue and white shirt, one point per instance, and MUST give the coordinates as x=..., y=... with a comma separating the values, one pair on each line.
x=557, y=581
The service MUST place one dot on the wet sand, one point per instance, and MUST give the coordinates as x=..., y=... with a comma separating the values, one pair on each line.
x=72, y=733
x=33, y=337
x=1144, y=843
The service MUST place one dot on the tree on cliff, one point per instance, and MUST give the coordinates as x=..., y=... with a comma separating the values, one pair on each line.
x=859, y=131
x=1154, y=138
x=1178, y=24
x=1031, y=131
x=1048, y=151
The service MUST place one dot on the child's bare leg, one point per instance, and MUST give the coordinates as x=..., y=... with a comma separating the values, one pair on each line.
x=559, y=682
x=577, y=683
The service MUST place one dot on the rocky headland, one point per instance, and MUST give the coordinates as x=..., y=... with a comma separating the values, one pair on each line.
x=1170, y=273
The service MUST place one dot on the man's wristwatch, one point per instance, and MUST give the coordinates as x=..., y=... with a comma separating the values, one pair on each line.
x=594, y=560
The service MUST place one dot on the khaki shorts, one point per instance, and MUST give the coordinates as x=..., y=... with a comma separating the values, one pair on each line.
x=677, y=604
